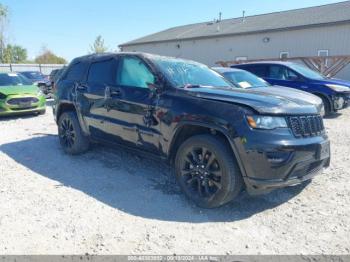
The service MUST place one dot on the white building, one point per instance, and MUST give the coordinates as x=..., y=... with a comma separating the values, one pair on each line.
x=315, y=31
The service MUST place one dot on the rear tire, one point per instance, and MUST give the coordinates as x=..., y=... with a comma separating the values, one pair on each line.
x=71, y=136
x=207, y=172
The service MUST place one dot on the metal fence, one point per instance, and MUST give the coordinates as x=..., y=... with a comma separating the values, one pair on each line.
x=43, y=68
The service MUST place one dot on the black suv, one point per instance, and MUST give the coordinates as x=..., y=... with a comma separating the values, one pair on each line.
x=219, y=138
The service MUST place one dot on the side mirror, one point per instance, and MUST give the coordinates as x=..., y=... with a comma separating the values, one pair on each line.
x=155, y=88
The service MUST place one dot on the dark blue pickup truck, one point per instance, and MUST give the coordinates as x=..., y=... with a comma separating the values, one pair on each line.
x=335, y=93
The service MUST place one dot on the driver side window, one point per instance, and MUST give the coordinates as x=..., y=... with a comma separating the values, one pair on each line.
x=134, y=73
x=281, y=73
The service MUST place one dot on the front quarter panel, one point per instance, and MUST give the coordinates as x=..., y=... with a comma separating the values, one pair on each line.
x=176, y=111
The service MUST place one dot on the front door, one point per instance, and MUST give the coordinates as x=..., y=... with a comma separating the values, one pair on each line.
x=134, y=104
x=281, y=75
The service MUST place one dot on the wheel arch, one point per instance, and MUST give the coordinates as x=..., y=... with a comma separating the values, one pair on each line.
x=64, y=107
x=188, y=129
x=327, y=98
x=68, y=106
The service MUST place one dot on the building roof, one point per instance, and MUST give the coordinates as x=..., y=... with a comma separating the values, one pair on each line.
x=292, y=19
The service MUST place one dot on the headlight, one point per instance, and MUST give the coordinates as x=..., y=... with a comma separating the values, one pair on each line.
x=266, y=122
x=338, y=88
x=2, y=96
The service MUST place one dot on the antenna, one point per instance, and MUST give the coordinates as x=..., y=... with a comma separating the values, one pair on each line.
x=220, y=16
x=243, y=17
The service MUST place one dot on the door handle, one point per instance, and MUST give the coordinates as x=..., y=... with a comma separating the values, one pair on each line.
x=110, y=92
x=115, y=93
x=80, y=87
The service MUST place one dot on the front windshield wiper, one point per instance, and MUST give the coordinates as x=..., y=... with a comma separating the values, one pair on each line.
x=193, y=86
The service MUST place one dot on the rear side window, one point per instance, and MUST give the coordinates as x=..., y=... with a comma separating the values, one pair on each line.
x=76, y=72
x=259, y=70
x=134, y=73
x=102, y=72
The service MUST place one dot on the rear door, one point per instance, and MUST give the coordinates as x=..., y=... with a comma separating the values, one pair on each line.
x=92, y=98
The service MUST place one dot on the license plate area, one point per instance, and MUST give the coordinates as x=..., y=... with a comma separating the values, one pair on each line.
x=25, y=104
x=323, y=151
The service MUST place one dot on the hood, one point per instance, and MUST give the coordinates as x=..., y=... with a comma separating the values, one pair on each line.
x=334, y=81
x=269, y=100
x=19, y=90
x=293, y=94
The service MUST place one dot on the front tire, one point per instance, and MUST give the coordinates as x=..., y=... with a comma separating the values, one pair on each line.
x=327, y=107
x=207, y=172
x=42, y=112
x=71, y=136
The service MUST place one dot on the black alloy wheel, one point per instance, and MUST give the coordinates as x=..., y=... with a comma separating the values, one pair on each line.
x=201, y=172
x=207, y=171
x=71, y=136
x=67, y=133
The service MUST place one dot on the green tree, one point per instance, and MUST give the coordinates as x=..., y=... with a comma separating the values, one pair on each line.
x=98, y=46
x=48, y=57
x=19, y=54
x=14, y=54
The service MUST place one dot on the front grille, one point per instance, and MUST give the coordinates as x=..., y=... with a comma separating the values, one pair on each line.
x=306, y=126
x=22, y=100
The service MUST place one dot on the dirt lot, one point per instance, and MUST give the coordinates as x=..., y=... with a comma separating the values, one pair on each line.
x=112, y=202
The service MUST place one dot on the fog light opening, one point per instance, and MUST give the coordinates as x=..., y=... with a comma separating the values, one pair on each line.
x=278, y=157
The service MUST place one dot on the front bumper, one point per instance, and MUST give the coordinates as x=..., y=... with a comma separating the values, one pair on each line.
x=7, y=109
x=341, y=101
x=257, y=186
x=274, y=159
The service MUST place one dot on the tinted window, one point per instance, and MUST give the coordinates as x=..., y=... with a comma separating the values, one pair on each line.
x=281, y=73
x=102, y=72
x=259, y=70
x=134, y=72
x=76, y=72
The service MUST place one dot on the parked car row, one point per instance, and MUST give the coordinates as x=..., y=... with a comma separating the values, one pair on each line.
x=223, y=131
x=38, y=79
x=26, y=92
x=335, y=93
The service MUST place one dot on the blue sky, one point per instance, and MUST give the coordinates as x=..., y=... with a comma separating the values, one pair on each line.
x=69, y=27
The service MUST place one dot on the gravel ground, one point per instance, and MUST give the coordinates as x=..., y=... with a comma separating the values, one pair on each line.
x=112, y=202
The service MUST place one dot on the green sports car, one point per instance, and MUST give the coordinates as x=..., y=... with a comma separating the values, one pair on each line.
x=18, y=95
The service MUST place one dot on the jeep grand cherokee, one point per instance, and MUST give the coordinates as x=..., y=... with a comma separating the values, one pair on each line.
x=220, y=139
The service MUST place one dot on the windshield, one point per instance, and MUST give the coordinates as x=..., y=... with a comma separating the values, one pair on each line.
x=307, y=72
x=244, y=79
x=183, y=73
x=33, y=75
x=13, y=80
